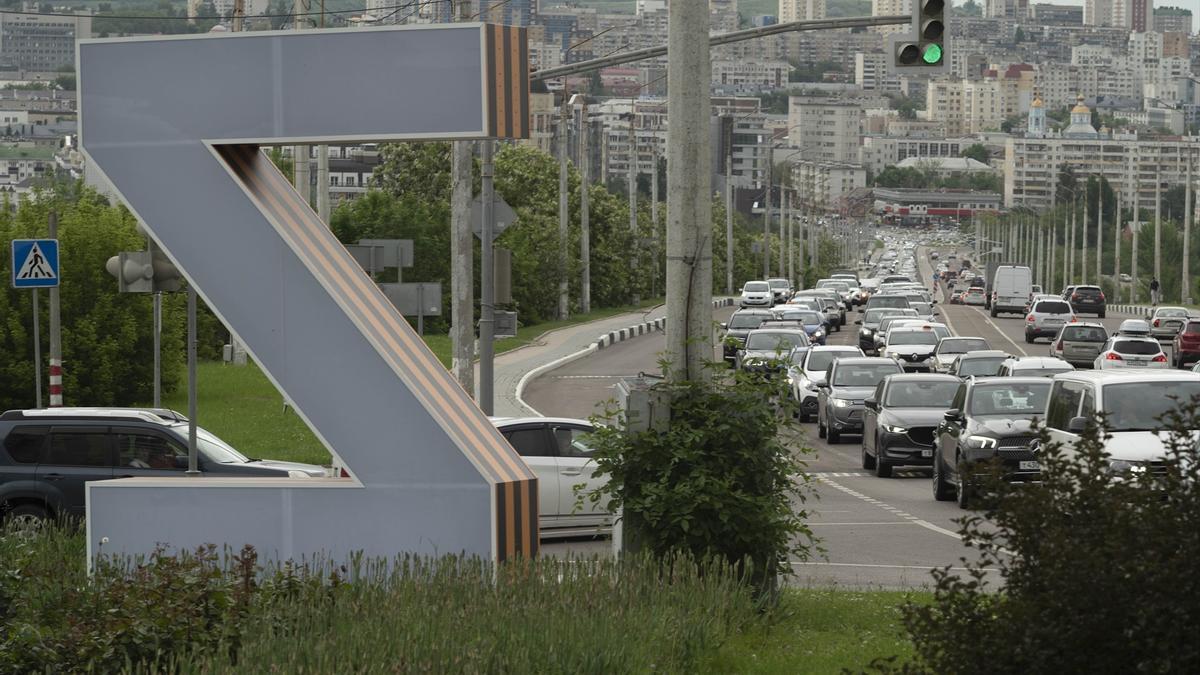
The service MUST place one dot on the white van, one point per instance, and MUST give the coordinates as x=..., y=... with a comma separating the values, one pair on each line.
x=1011, y=288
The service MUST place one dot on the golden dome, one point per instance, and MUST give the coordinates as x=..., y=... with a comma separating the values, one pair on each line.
x=1080, y=107
x=1037, y=102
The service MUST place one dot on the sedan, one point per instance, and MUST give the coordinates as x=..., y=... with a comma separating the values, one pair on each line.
x=1128, y=351
x=767, y=349
x=1165, y=322
x=949, y=348
x=984, y=363
x=992, y=421
x=900, y=419
x=850, y=382
x=558, y=452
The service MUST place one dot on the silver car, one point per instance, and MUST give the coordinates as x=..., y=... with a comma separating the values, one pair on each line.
x=949, y=348
x=1079, y=343
x=1165, y=322
x=1046, y=318
x=1034, y=366
x=757, y=294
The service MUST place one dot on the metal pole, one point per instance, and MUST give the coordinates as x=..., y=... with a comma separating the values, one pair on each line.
x=786, y=215
x=689, y=201
x=766, y=252
x=564, y=306
x=421, y=309
x=1137, y=221
x=585, y=226
x=158, y=350
x=728, y=219
x=1100, y=232
x=487, y=281
x=1158, y=227
x=782, y=239
x=37, y=351
x=631, y=184
x=56, y=369
x=1083, y=241
x=655, y=250
x=1117, y=220
x=193, y=457
x=1185, y=288
x=1133, y=287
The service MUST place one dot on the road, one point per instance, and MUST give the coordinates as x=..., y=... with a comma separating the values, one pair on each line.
x=877, y=532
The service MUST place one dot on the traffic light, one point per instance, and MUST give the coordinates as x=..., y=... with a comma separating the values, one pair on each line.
x=923, y=50
x=144, y=272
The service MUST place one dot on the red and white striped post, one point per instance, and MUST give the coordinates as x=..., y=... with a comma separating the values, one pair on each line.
x=56, y=389
x=56, y=386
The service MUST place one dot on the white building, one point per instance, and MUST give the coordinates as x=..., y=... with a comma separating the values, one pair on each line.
x=820, y=183
x=1098, y=12
x=890, y=8
x=871, y=72
x=750, y=76
x=829, y=130
x=801, y=10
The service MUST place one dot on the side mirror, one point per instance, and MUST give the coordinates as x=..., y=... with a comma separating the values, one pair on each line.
x=871, y=403
x=858, y=322
x=952, y=416
x=724, y=325
x=1077, y=425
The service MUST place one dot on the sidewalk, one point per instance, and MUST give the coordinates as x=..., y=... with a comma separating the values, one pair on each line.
x=510, y=367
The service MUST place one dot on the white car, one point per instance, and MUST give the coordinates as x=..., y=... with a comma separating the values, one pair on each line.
x=557, y=450
x=757, y=294
x=805, y=377
x=911, y=347
x=1131, y=351
x=1132, y=401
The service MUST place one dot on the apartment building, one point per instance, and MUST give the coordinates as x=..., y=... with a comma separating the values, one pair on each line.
x=740, y=76
x=821, y=183
x=829, y=130
x=890, y=8
x=880, y=152
x=41, y=43
x=801, y=10
x=871, y=72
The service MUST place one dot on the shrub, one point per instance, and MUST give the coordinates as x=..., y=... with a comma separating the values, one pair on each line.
x=1098, y=569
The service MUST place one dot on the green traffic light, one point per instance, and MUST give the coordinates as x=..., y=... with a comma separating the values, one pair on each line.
x=932, y=54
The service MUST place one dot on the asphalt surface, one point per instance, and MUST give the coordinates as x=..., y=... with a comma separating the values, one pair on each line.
x=876, y=532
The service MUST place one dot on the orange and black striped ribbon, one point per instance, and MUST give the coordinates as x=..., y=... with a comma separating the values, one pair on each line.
x=508, y=81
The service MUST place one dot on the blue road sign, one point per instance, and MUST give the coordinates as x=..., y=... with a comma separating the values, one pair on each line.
x=34, y=263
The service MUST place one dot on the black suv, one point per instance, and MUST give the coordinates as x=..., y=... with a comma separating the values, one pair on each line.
x=48, y=456
x=740, y=324
x=1087, y=299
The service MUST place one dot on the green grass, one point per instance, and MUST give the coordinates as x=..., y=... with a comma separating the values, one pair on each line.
x=819, y=631
x=240, y=404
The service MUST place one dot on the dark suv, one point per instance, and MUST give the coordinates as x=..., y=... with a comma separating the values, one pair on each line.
x=1087, y=299
x=48, y=456
x=739, y=325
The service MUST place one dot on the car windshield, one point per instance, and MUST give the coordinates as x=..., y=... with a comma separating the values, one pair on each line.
x=1173, y=312
x=210, y=446
x=1052, y=307
x=1038, y=371
x=820, y=360
x=863, y=375
x=981, y=367
x=897, y=301
x=747, y=320
x=1085, y=334
x=922, y=308
x=807, y=318
x=836, y=285
x=756, y=287
x=1009, y=399
x=914, y=337
x=877, y=315
x=962, y=346
x=775, y=342
x=921, y=394
x=1133, y=406
x=779, y=283
x=1137, y=347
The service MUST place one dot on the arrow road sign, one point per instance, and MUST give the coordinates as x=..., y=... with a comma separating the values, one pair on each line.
x=35, y=263
x=502, y=215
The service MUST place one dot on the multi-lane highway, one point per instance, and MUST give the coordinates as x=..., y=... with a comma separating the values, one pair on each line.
x=876, y=531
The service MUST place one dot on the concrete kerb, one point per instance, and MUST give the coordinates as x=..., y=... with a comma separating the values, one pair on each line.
x=606, y=340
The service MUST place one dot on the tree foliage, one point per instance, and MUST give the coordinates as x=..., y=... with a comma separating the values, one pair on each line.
x=977, y=152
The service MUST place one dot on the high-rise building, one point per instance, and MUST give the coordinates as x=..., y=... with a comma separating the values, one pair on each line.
x=801, y=10
x=41, y=42
x=1098, y=12
x=829, y=130
x=1173, y=20
x=1006, y=9
x=890, y=8
x=1136, y=15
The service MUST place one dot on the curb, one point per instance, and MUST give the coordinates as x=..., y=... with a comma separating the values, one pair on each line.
x=1136, y=310
x=606, y=340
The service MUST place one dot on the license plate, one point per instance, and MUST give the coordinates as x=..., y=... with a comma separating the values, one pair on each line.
x=1053, y=321
x=927, y=453
x=1029, y=466
x=1135, y=363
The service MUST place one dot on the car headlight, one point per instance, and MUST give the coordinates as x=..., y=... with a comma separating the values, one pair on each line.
x=819, y=334
x=894, y=430
x=1124, y=467
x=842, y=402
x=980, y=442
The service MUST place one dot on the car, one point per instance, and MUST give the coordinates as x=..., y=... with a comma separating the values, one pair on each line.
x=767, y=349
x=885, y=300
x=989, y=420
x=1134, y=327
x=911, y=347
x=870, y=324
x=983, y=363
x=900, y=418
x=47, y=456
x=844, y=290
x=885, y=324
x=1130, y=351
x=739, y=325
x=1125, y=278
x=925, y=310
x=1185, y=348
x=1079, y=343
x=974, y=295
x=949, y=348
x=840, y=398
x=1132, y=402
x=813, y=323
x=933, y=255
x=1036, y=289
x=781, y=289
x=1165, y=322
x=1088, y=299
x=1011, y=287
x=1046, y=318
x=806, y=376
x=1039, y=296
x=956, y=297
x=757, y=294
x=941, y=330
x=1033, y=366
x=838, y=319
x=559, y=452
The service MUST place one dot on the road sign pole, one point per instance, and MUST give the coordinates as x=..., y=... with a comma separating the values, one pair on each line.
x=193, y=463
x=421, y=309
x=158, y=350
x=37, y=351
x=487, y=281
x=56, y=387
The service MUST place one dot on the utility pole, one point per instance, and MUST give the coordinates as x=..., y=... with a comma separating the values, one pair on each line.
x=1083, y=240
x=728, y=215
x=1117, y=220
x=564, y=301
x=1071, y=240
x=782, y=240
x=239, y=13
x=1185, y=288
x=56, y=370
x=462, y=255
x=767, y=216
x=1053, y=251
x=300, y=156
x=1157, y=227
x=1137, y=222
x=487, y=291
x=654, y=250
x=689, y=202
x=323, y=164
x=1100, y=233
x=785, y=213
x=585, y=226
x=631, y=183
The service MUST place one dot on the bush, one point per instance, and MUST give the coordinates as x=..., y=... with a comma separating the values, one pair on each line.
x=196, y=613
x=1098, y=570
x=719, y=481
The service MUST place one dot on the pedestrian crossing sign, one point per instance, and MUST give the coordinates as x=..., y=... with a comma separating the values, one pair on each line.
x=34, y=263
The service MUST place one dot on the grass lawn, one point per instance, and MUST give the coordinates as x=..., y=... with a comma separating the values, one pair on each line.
x=240, y=404
x=819, y=631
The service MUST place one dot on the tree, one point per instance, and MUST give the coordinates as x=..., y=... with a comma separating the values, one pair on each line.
x=1068, y=183
x=977, y=152
x=969, y=8
x=1019, y=35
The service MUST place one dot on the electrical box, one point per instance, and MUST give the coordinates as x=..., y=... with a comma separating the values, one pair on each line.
x=645, y=408
x=504, y=325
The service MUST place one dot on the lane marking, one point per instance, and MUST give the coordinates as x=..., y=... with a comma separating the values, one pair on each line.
x=877, y=522
x=1004, y=335
x=887, y=507
x=590, y=377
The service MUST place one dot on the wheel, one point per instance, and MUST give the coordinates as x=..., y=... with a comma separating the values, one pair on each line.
x=833, y=435
x=994, y=312
x=26, y=517
x=883, y=468
x=942, y=491
x=964, y=492
x=868, y=460
x=1101, y=315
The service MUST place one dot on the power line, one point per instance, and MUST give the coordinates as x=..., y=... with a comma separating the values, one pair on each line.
x=414, y=3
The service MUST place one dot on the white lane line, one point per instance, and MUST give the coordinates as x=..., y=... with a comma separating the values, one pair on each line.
x=876, y=522
x=1004, y=335
x=907, y=517
x=893, y=567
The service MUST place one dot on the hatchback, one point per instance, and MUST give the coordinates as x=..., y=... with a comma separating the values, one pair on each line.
x=1186, y=345
x=757, y=294
x=1127, y=351
x=1046, y=318
x=975, y=295
x=1079, y=343
x=1034, y=366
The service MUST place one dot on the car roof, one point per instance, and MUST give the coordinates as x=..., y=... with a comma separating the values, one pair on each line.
x=1088, y=324
x=513, y=421
x=866, y=360
x=922, y=377
x=752, y=310
x=983, y=353
x=1171, y=307
x=1135, y=338
x=834, y=348
x=962, y=337
x=1026, y=379
x=164, y=416
x=1041, y=361
x=1120, y=374
x=777, y=329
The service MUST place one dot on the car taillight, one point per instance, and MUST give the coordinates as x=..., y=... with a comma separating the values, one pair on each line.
x=1030, y=318
x=1074, y=318
x=1059, y=346
x=1074, y=296
x=1113, y=356
x=1161, y=358
x=1156, y=323
x=1101, y=296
